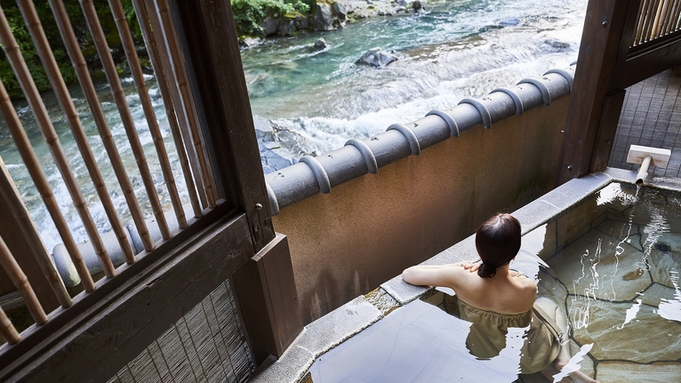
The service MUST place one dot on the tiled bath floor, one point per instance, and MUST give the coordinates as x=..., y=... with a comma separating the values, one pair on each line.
x=620, y=285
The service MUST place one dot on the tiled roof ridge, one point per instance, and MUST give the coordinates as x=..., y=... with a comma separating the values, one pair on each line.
x=361, y=156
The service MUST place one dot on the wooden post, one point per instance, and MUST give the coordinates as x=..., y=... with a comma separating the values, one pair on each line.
x=612, y=108
x=265, y=286
x=206, y=29
x=268, y=300
x=603, y=49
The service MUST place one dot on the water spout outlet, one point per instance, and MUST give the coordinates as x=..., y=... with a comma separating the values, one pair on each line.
x=643, y=170
x=645, y=157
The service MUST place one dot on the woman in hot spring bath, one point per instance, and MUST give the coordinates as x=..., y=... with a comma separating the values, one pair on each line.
x=495, y=298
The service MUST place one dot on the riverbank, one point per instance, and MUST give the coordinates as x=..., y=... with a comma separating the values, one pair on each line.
x=328, y=15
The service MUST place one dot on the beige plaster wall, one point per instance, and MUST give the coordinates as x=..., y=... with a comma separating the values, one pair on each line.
x=366, y=231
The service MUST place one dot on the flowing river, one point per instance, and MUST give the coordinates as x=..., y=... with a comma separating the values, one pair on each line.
x=320, y=99
x=457, y=49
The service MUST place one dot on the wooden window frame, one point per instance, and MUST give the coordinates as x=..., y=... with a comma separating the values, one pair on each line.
x=107, y=328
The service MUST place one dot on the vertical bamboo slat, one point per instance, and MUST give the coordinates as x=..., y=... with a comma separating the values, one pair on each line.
x=182, y=107
x=136, y=70
x=126, y=117
x=14, y=272
x=31, y=161
x=99, y=118
x=180, y=78
x=665, y=17
x=644, y=20
x=671, y=18
x=19, y=214
x=640, y=19
x=33, y=167
x=659, y=18
x=40, y=112
x=59, y=87
x=7, y=329
x=656, y=19
x=647, y=20
x=162, y=77
x=674, y=19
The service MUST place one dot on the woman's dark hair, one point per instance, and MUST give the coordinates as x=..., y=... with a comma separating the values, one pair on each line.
x=497, y=241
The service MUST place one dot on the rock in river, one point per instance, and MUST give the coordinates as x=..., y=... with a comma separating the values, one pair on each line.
x=376, y=57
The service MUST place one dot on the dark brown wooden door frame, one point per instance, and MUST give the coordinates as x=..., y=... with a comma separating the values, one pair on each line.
x=606, y=66
x=265, y=286
x=600, y=55
x=93, y=339
x=105, y=329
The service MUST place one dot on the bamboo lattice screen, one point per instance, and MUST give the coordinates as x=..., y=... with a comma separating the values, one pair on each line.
x=656, y=18
x=142, y=203
x=205, y=345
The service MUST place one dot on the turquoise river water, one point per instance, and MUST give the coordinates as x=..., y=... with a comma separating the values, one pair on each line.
x=320, y=99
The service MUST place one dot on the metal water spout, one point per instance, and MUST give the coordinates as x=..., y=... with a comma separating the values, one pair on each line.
x=646, y=156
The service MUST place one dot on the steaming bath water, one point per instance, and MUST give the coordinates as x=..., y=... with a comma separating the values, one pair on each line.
x=320, y=99
x=611, y=264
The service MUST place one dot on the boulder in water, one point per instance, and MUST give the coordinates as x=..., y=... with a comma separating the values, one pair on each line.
x=249, y=42
x=273, y=155
x=376, y=57
x=320, y=44
x=557, y=44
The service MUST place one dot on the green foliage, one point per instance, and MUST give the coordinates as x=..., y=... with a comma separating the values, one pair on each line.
x=249, y=14
x=302, y=6
x=27, y=48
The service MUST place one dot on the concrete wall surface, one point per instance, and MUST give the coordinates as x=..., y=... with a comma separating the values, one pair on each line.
x=367, y=230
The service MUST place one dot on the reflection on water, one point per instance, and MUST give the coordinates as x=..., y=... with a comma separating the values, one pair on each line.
x=670, y=308
x=613, y=267
x=616, y=268
x=416, y=343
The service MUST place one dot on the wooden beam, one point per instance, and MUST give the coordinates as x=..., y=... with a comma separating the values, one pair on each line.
x=269, y=301
x=265, y=286
x=649, y=62
x=113, y=325
x=208, y=37
x=22, y=239
x=607, y=128
x=605, y=27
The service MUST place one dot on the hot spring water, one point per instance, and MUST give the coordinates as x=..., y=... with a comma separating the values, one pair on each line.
x=611, y=264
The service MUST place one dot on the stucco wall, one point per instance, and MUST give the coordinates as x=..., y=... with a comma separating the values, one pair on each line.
x=366, y=231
